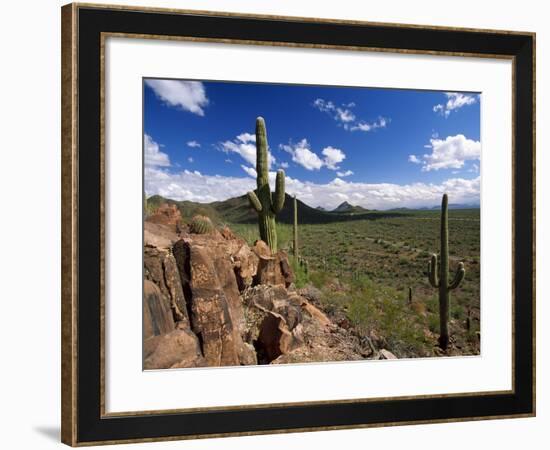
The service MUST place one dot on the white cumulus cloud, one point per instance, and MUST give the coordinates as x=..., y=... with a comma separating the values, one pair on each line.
x=153, y=157
x=455, y=100
x=346, y=117
x=194, y=186
x=187, y=95
x=250, y=171
x=449, y=153
x=301, y=154
x=245, y=146
x=333, y=156
x=347, y=173
x=381, y=122
x=340, y=113
x=193, y=144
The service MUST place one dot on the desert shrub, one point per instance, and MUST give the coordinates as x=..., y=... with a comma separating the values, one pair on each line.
x=319, y=278
x=333, y=301
x=374, y=307
x=433, y=323
x=457, y=310
x=284, y=236
x=301, y=278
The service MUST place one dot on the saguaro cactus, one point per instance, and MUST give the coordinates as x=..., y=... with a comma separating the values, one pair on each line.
x=440, y=278
x=295, y=229
x=261, y=200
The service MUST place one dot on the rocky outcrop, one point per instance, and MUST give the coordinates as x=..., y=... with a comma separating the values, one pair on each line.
x=160, y=268
x=177, y=349
x=212, y=300
x=166, y=344
x=287, y=328
x=157, y=317
x=386, y=354
x=166, y=214
x=159, y=236
x=215, y=309
x=272, y=269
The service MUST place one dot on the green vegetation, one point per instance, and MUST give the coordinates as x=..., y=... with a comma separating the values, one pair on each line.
x=300, y=272
x=261, y=200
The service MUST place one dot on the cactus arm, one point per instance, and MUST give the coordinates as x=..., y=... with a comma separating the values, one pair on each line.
x=459, y=276
x=254, y=201
x=262, y=153
x=279, y=199
x=432, y=272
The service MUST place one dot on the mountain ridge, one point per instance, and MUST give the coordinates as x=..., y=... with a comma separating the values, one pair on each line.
x=238, y=210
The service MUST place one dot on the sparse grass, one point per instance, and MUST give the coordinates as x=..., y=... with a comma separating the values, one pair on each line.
x=250, y=233
x=301, y=278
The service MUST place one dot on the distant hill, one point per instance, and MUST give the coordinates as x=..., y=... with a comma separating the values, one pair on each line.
x=346, y=208
x=238, y=210
x=451, y=206
x=342, y=207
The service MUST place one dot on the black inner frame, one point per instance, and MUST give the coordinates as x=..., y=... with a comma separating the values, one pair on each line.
x=90, y=425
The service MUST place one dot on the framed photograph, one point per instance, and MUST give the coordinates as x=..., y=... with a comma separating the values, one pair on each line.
x=282, y=224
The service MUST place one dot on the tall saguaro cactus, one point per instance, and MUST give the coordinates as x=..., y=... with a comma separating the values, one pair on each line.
x=440, y=278
x=295, y=229
x=261, y=200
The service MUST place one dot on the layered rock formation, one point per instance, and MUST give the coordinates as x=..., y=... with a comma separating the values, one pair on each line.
x=212, y=300
x=168, y=215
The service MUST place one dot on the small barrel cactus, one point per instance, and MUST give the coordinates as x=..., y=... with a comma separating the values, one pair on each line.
x=201, y=225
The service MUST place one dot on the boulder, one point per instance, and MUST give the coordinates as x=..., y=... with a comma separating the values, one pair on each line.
x=246, y=266
x=157, y=316
x=161, y=268
x=261, y=249
x=311, y=293
x=386, y=354
x=179, y=348
x=316, y=314
x=166, y=214
x=227, y=233
x=153, y=267
x=274, y=338
x=173, y=284
x=248, y=355
x=212, y=271
x=273, y=270
x=158, y=235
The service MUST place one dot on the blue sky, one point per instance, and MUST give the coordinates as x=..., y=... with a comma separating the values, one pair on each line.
x=378, y=148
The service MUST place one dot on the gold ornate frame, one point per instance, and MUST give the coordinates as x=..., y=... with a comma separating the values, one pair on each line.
x=70, y=213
